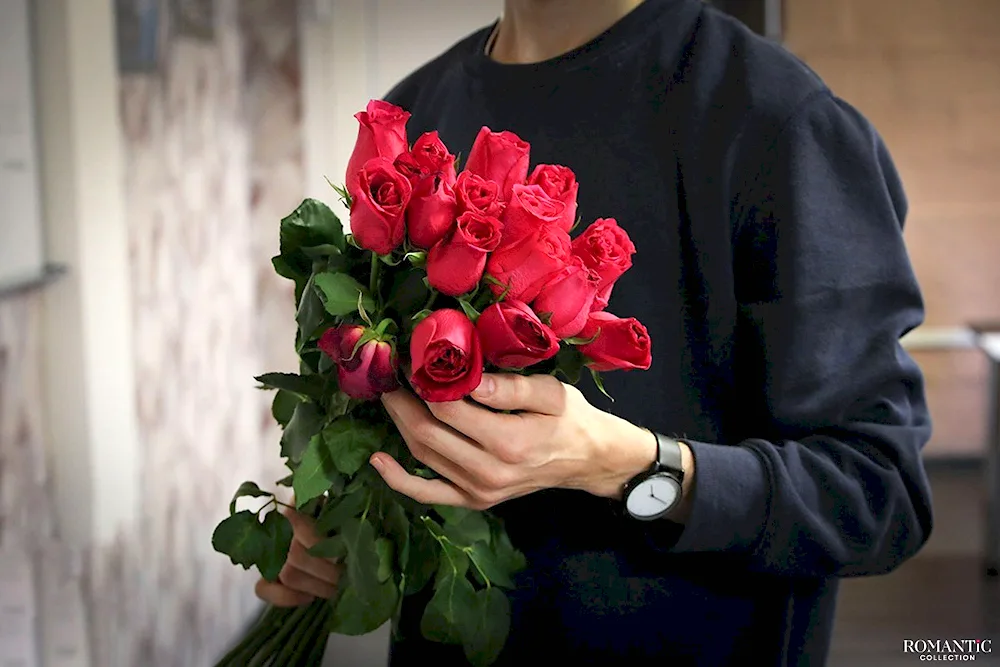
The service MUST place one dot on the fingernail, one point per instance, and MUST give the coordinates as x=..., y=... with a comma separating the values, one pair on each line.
x=486, y=386
x=377, y=463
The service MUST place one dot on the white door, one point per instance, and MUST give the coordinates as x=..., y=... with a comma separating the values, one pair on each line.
x=357, y=50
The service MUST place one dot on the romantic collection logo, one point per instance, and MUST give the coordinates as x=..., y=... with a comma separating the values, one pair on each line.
x=948, y=649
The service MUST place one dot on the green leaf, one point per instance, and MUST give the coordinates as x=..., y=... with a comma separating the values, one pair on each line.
x=485, y=627
x=241, y=537
x=342, y=294
x=285, y=481
x=351, y=443
x=469, y=310
x=583, y=341
x=309, y=314
x=306, y=422
x=570, y=364
x=463, y=526
x=397, y=525
x=283, y=406
x=366, y=602
x=302, y=386
x=315, y=473
x=322, y=251
x=386, y=552
x=600, y=384
x=420, y=316
x=339, y=403
x=338, y=512
x=492, y=566
x=310, y=225
x=507, y=557
x=355, y=616
x=331, y=547
x=278, y=530
x=454, y=597
x=247, y=489
x=249, y=543
x=422, y=559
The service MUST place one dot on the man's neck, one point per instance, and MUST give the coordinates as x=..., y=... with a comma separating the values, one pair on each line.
x=531, y=31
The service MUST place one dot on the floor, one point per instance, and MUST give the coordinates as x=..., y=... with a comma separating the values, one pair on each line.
x=942, y=593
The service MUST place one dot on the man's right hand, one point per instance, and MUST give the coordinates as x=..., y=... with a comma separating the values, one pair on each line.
x=303, y=578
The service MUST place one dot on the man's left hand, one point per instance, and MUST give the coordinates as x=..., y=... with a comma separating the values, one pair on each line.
x=553, y=438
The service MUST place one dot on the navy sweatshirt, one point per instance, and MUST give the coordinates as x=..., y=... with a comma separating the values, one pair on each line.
x=772, y=276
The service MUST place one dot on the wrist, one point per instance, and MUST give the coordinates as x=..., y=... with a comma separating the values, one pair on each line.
x=626, y=450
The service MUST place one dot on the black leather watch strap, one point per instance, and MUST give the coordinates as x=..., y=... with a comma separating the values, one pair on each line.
x=668, y=453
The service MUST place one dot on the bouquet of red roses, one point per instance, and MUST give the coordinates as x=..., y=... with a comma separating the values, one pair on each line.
x=446, y=273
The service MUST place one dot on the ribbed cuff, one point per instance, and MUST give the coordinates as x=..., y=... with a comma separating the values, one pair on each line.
x=729, y=503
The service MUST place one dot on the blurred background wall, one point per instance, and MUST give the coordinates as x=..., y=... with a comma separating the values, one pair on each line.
x=126, y=391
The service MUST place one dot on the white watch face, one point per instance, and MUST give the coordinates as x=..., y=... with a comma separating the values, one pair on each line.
x=652, y=497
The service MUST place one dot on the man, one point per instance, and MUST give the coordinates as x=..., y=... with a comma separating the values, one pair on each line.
x=772, y=276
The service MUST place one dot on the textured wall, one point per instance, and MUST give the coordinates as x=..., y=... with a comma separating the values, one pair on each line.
x=213, y=160
x=927, y=73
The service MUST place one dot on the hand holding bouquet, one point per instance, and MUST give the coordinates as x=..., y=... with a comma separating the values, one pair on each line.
x=446, y=274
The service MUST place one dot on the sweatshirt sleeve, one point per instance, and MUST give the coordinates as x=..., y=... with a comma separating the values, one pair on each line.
x=830, y=481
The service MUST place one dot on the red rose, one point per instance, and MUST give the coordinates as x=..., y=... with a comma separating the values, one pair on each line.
x=431, y=213
x=455, y=265
x=381, y=133
x=566, y=298
x=607, y=250
x=433, y=157
x=512, y=336
x=377, y=212
x=560, y=184
x=365, y=373
x=501, y=157
x=475, y=193
x=524, y=266
x=621, y=344
x=446, y=356
x=407, y=165
x=529, y=209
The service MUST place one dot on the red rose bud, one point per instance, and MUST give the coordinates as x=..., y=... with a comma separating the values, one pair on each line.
x=560, y=184
x=501, y=157
x=431, y=213
x=381, y=133
x=371, y=373
x=525, y=266
x=567, y=297
x=338, y=342
x=512, y=336
x=475, y=193
x=364, y=373
x=430, y=153
x=607, y=250
x=377, y=212
x=621, y=344
x=446, y=356
x=455, y=265
x=528, y=209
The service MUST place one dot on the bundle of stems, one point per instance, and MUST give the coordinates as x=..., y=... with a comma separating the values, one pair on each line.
x=284, y=637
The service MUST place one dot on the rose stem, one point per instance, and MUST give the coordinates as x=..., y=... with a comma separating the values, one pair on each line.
x=373, y=278
x=262, y=628
x=286, y=655
x=314, y=634
x=287, y=627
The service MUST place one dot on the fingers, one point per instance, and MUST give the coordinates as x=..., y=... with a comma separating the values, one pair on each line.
x=531, y=393
x=432, y=441
x=303, y=528
x=424, y=491
x=303, y=582
x=280, y=595
x=321, y=568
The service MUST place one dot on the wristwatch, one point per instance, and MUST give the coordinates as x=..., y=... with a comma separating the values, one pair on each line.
x=653, y=493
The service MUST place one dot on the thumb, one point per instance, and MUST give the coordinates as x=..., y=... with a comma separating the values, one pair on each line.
x=541, y=393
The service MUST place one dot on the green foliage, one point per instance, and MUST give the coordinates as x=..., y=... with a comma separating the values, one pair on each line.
x=250, y=542
x=342, y=294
